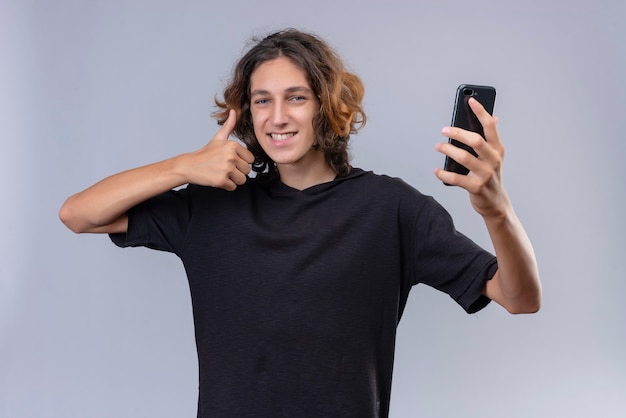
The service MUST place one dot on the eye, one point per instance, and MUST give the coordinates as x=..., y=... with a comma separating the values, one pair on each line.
x=297, y=99
x=261, y=101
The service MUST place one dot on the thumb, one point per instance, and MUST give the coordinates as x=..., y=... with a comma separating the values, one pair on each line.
x=227, y=127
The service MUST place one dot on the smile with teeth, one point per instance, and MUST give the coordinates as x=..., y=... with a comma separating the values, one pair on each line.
x=282, y=137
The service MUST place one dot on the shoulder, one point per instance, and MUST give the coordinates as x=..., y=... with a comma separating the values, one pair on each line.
x=386, y=185
x=394, y=194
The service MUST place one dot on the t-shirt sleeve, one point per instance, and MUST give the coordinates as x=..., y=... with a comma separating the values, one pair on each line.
x=159, y=223
x=447, y=260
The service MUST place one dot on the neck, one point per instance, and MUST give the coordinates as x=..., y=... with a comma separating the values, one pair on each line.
x=302, y=177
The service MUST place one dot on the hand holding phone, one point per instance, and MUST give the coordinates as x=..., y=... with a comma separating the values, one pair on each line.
x=463, y=117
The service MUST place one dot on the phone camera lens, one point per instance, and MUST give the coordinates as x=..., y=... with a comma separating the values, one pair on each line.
x=468, y=92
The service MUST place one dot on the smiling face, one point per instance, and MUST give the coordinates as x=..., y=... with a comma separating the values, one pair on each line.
x=283, y=107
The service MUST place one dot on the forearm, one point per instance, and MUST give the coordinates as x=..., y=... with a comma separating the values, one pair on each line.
x=101, y=207
x=516, y=285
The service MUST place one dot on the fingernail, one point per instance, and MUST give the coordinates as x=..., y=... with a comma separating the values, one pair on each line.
x=445, y=130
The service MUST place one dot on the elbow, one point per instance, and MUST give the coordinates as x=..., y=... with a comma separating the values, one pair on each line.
x=530, y=305
x=526, y=309
x=523, y=298
x=69, y=218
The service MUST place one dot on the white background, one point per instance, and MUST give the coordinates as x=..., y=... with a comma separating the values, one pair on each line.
x=90, y=88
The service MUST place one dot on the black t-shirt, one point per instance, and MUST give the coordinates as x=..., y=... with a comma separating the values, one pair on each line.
x=297, y=294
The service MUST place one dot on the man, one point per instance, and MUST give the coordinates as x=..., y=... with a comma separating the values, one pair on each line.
x=299, y=275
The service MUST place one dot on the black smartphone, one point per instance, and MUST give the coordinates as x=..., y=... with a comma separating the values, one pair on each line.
x=463, y=117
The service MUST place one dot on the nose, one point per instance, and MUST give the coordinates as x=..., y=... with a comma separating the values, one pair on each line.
x=279, y=113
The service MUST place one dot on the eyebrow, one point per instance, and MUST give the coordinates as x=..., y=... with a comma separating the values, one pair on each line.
x=295, y=89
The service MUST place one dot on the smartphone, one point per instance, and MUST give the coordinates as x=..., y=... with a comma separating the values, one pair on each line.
x=463, y=117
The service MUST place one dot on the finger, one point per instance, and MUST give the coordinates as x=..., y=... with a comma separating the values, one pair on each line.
x=469, y=138
x=482, y=165
x=227, y=127
x=237, y=177
x=245, y=155
x=229, y=185
x=451, y=178
x=243, y=166
x=460, y=155
x=488, y=121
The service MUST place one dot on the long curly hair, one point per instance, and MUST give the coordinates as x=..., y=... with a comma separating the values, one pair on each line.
x=339, y=91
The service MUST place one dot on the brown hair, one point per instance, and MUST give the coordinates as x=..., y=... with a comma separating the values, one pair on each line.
x=339, y=91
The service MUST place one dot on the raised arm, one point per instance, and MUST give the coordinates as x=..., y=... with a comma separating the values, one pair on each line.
x=516, y=285
x=103, y=207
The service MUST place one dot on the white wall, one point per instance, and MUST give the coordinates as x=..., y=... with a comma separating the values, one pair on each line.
x=89, y=88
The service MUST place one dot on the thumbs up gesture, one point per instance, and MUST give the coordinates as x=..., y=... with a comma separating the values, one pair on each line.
x=220, y=163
